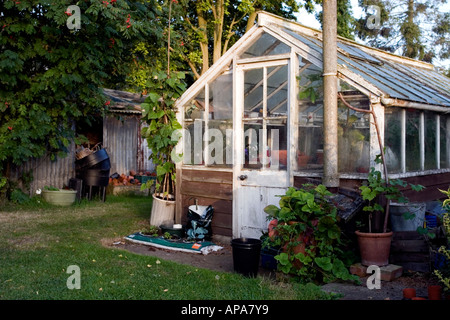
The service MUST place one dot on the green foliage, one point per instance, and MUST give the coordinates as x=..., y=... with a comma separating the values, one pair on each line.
x=401, y=28
x=51, y=76
x=376, y=188
x=307, y=231
x=444, y=275
x=161, y=133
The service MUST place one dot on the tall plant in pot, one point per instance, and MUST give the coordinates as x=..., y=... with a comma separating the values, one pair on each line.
x=375, y=246
x=159, y=113
x=378, y=193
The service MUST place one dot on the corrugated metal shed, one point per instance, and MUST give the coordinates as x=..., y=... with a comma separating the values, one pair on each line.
x=48, y=173
x=121, y=139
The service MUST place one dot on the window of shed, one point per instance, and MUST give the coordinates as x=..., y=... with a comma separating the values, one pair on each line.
x=354, y=133
x=416, y=140
x=392, y=139
x=208, y=125
x=444, y=141
x=265, y=45
x=194, y=129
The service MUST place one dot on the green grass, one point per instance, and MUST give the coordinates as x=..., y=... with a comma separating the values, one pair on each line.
x=38, y=242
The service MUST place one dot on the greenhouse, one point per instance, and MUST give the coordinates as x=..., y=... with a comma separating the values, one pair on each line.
x=253, y=124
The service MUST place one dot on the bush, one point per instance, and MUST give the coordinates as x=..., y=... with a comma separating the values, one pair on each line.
x=305, y=227
x=444, y=274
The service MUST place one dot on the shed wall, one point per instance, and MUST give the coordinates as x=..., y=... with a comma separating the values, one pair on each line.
x=124, y=145
x=126, y=149
x=46, y=172
x=209, y=188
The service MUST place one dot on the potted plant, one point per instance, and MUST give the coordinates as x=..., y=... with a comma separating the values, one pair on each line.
x=375, y=246
x=305, y=228
x=159, y=113
x=60, y=197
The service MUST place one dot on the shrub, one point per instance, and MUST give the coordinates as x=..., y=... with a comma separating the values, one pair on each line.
x=305, y=227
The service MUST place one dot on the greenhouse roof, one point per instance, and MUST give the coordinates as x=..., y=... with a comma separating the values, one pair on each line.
x=392, y=79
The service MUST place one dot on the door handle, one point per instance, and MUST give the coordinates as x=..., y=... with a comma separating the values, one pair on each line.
x=242, y=177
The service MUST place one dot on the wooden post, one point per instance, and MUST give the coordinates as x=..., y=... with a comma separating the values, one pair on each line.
x=330, y=127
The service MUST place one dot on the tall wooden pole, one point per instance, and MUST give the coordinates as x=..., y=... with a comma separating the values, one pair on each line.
x=330, y=114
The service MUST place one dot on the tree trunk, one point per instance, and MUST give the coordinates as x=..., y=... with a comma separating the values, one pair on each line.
x=219, y=14
x=202, y=24
x=251, y=20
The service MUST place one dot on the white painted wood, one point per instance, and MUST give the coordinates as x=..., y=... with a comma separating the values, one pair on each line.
x=438, y=141
x=260, y=187
x=374, y=144
x=403, y=141
x=422, y=140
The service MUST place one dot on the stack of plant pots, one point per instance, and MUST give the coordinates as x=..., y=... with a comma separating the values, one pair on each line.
x=94, y=170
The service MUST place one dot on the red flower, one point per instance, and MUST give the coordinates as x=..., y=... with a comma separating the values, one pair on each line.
x=174, y=1
x=10, y=128
x=69, y=13
x=107, y=103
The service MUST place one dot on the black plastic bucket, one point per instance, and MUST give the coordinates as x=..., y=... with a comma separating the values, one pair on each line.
x=246, y=256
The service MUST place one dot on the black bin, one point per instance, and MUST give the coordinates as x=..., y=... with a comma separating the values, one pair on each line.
x=246, y=256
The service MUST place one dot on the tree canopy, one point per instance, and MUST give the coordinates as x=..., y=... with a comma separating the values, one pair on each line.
x=52, y=75
x=413, y=28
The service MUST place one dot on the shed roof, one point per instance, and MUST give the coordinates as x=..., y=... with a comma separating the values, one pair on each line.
x=377, y=73
x=124, y=102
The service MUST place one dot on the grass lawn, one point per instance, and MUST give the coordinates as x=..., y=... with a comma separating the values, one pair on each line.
x=38, y=242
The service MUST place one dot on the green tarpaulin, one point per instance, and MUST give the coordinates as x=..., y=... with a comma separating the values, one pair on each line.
x=203, y=247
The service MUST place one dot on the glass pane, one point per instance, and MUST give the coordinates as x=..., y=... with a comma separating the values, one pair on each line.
x=252, y=137
x=430, y=141
x=412, y=140
x=392, y=139
x=221, y=97
x=273, y=154
x=353, y=134
x=253, y=93
x=266, y=45
x=194, y=126
x=220, y=122
x=277, y=144
x=277, y=90
x=310, y=145
x=195, y=109
x=445, y=141
x=220, y=143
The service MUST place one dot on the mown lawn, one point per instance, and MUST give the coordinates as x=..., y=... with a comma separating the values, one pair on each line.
x=38, y=242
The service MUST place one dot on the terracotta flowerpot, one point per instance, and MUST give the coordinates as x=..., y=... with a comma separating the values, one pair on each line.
x=418, y=298
x=434, y=292
x=409, y=293
x=374, y=248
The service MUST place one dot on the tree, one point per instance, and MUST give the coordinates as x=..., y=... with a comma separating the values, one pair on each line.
x=345, y=20
x=52, y=76
x=413, y=28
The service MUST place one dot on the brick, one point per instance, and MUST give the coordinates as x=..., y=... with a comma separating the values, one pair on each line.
x=387, y=273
